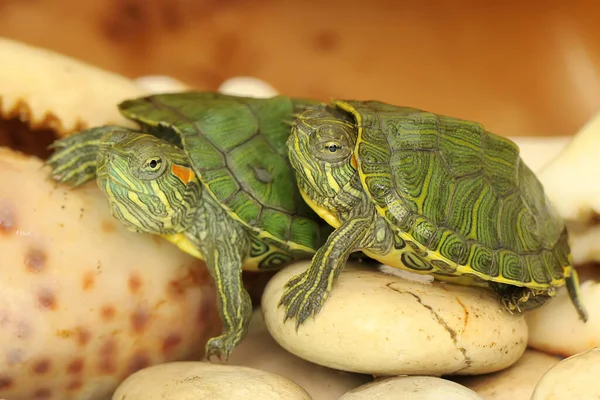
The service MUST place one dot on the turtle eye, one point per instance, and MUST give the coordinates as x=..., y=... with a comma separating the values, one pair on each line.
x=332, y=147
x=153, y=164
x=151, y=167
x=332, y=150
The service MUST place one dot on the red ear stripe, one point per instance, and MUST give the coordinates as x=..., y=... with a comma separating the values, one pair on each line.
x=354, y=163
x=185, y=174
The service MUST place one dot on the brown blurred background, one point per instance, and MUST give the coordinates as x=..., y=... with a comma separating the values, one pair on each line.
x=521, y=67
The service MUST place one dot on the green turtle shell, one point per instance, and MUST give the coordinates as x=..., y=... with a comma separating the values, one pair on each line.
x=236, y=146
x=459, y=195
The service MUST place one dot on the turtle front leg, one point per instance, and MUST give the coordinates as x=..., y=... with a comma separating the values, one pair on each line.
x=224, y=262
x=306, y=293
x=224, y=245
x=74, y=159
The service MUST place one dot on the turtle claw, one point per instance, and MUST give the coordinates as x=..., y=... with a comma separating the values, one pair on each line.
x=302, y=299
x=220, y=347
x=294, y=280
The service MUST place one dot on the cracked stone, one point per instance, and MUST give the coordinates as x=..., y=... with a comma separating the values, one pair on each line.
x=380, y=324
x=442, y=322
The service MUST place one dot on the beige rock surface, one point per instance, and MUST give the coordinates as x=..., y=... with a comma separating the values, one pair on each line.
x=200, y=380
x=259, y=350
x=50, y=90
x=538, y=151
x=247, y=86
x=566, y=167
x=571, y=181
x=83, y=302
x=384, y=325
x=577, y=195
x=514, y=383
x=575, y=377
x=556, y=328
x=411, y=388
x=155, y=84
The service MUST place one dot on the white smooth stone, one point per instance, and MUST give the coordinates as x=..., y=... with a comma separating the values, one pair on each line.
x=411, y=388
x=514, y=383
x=203, y=380
x=157, y=84
x=380, y=324
x=556, y=328
x=259, y=350
x=575, y=377
x=247, y=86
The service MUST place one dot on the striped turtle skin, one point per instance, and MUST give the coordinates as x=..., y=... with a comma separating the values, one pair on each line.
x=426, y=193
x=210, y=173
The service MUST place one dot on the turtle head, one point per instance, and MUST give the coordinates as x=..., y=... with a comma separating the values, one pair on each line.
x=320, y=149
x=149, y=183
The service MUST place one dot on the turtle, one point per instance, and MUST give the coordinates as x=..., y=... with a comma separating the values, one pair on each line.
x=209, y=172
x=427, y=193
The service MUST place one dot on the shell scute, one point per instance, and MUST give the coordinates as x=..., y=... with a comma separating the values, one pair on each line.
x=424, y=231
x=538, y=268
x=374, y=153
x=559, y=259
x=439, y=196
x=483, y=261
x=419, y=131
x=512, y=267
x=509, y=216
x=220, y=182
x=246, y=206
x=463, y=214
x=279, y=222
x=411, y=168
x=454, y=248
x=500, y=163
x=398, y=212
x=460, y=146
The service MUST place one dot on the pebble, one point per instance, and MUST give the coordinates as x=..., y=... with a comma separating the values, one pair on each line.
x=514, y=383
x=203, y=380
x=411, y=388
x=259, y=350
x=537, y=151
x=380, y=324
x=156, y=84
x=575, y=377
x=555, y=328
x=571, y=182
x=247, y=86
x=83, y=301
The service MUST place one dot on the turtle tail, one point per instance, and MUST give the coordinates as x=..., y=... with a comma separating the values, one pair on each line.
x=572, y=282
